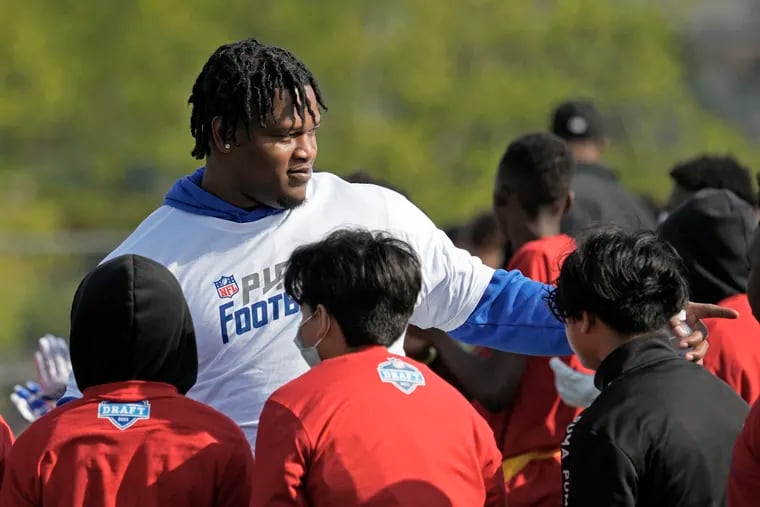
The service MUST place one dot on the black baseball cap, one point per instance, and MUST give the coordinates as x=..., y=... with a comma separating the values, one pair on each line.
x=577, y=119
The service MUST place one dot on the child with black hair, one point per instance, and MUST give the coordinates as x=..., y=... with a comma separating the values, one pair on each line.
x=516, y=394
x=649, y=438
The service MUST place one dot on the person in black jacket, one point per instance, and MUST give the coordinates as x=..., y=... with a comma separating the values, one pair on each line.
x=600, y=199
x=662, y=429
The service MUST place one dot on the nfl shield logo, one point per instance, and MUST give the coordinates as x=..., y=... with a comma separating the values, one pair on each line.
x=226, y=287
x=402, y=375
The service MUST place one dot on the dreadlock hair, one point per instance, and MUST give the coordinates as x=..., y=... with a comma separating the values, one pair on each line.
x=239, y=81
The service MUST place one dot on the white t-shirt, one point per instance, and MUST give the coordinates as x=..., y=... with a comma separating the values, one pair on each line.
x=231, y=275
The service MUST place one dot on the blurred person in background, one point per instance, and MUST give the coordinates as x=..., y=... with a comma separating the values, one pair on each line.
x=514, y=393
x=227, y=230
x=708, y=171
x=486, y=240
x=319, y=442
x=134, y=438
x=648, y=439
x=600, y=199
x=711, y=231
x=459, y=234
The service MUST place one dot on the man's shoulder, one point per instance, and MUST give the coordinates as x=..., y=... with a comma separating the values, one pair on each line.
x=153, y=232
x=329, y=185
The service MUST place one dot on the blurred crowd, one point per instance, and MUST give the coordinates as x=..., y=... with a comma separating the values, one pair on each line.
x=575, y=344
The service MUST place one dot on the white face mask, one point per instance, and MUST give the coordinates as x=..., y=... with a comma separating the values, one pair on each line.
x=310, y=354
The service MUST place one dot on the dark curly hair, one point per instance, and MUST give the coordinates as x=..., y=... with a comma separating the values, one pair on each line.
x=239, y=82
x=539, y=168
x=633, y=282
x=368, y=281
x=714, y=171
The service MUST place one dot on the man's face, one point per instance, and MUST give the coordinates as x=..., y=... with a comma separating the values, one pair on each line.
x=274, y=164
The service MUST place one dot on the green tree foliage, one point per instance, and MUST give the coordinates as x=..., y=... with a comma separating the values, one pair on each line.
x=94, y=124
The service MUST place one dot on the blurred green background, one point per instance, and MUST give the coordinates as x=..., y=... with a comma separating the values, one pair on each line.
x=94, y=125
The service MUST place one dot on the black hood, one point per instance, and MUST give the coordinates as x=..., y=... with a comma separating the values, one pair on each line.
x=130, y=321
x=712, y=232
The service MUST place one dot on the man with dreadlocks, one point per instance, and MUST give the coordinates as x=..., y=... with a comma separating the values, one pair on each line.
x=227, y=230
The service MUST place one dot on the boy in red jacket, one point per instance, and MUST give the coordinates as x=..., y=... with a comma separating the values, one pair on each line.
x=516, y=394
x=365, y=427
x=134, y=439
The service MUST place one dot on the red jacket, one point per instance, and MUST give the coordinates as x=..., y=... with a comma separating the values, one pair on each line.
x=127, y=444
x=373, y=429
x=537, y=420
x=6, y=442
x=744, y=478
x=734, y=353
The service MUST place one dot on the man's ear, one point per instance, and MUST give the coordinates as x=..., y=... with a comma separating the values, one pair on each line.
x=223, y=139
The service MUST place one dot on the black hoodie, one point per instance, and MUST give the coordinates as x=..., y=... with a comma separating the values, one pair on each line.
x=130, y=321
x=712, y=232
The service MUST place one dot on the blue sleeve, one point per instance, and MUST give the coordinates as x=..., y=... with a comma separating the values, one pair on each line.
x=64, y=399
x=513, y=316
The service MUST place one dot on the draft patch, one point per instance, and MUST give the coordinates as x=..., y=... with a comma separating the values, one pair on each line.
x=403, y=376
x=123, y=415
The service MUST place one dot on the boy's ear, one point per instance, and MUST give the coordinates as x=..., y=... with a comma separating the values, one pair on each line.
x=501, y=196
x=587, y=322
x=569, y=201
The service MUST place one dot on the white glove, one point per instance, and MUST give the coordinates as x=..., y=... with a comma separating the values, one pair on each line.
x=53, y=365
x=35, y=399
x=30, y=402
x=576, y=389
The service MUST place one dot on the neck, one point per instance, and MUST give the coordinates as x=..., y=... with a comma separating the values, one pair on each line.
x=614, y=341
x=586, y=152
x=216, y=182
x=545, y=225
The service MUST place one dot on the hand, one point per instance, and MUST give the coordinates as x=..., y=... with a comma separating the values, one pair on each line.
x=697, y=340
x=576, y=389
x=53, y=365
x=31, y=402
x=415, y=345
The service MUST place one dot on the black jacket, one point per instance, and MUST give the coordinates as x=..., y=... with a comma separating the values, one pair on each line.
x=601, y=200
x=660, y=434
x=130, y=321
